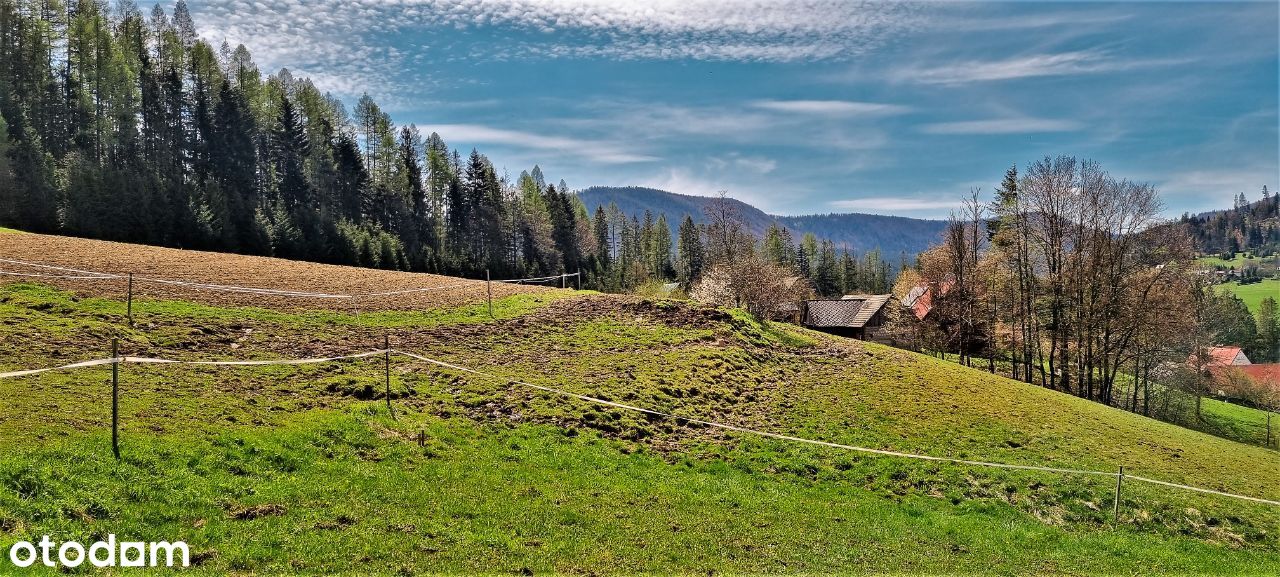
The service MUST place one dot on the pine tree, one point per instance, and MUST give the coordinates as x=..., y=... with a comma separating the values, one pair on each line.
x=661, y=251
x=289, y=146
x=826, y=278
x=690, y=253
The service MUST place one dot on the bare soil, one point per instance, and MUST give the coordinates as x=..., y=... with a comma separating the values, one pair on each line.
x=234, y=269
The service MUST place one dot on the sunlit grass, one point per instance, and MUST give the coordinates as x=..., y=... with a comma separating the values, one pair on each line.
x=1254, y=293
x=512, y=479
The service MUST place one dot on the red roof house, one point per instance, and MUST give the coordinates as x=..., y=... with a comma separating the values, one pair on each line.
x=1222, y=357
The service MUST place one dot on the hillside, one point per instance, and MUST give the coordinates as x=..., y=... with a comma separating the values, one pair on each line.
x=893, y=235
x=1247, y=227
x=287, y=469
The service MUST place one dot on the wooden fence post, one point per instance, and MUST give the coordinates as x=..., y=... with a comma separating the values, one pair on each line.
x=1115, y=507
x=562, y=280
x=115, y=397
x=386, y=358
x=128, y=311
x=578, y=278
x=488, y=287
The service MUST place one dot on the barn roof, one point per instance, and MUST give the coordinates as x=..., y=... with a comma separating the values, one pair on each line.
x=852, y=311
x=1218, y=356
x=1264, y=373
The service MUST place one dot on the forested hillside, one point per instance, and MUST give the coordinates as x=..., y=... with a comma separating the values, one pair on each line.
x=120, y=126
x=892, y=236
x=830, y=269
x=1252, y=227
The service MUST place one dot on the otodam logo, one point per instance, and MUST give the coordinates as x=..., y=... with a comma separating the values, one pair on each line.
x=101, y=554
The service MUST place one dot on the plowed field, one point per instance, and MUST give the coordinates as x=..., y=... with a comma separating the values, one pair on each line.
x=149, y=262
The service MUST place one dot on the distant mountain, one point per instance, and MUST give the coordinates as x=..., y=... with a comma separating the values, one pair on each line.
x=893, y=235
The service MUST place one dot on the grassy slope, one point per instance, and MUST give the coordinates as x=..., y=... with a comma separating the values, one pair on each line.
x=1240, y=260
x=293, y=469
x=1252, y=294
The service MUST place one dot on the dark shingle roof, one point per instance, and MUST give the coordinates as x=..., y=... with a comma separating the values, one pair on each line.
x=852, y=311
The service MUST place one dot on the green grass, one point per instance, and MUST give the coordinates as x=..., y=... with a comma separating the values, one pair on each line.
x=342, y=493
x=1238, y=422
x=1253, y=294
x=513, y=479
x=4, y=230
x=1239, y=260
x=1217, y=417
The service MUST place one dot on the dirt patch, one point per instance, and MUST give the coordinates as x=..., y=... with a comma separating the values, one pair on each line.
x=233, y=269
x=256, y=511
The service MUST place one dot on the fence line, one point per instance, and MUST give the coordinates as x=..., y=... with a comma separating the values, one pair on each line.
x=94, y=275
x=241, y=289
x=597, y=400
x=827, y=443
x=1201, y=490
x=79, y=365
x=62, y=276
x=153, y=360
x=539, y=279
x=59, y=268
x=263, y=362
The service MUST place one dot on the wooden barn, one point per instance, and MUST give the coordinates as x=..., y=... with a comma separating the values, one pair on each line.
x=855, y=316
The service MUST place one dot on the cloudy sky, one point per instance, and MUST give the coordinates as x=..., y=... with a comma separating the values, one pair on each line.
x=807, y=106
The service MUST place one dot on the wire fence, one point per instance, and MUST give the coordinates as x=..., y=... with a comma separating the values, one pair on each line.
x=81, y=274
x=67, y=273
x=387, y=352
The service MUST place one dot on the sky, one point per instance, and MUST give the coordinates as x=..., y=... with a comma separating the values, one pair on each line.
x=810, y=106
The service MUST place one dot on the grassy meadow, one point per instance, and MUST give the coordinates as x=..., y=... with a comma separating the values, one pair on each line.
x=1253, y=294
x=297, y=469
x=1237, y=261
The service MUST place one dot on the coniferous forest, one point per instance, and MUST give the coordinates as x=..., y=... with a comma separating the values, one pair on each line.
x=1248, y=226
x=126, y=126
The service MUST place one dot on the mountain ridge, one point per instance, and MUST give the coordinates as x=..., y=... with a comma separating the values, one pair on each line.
x=892, y=235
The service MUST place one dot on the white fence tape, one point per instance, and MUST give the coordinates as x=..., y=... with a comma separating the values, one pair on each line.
x=826, y=443
x=92, y=275
x=152, y=360
x=83, y=273
x=419, y=290
x=79, y=365
x=538, y=278
x=311, y=361
x=590, y=399
x=61, y=276
x=241, y=289
x=1200, y=490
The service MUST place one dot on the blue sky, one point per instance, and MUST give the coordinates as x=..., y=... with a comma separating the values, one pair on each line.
x=805, y=107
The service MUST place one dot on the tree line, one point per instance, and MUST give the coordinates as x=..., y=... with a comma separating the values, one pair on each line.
x=1069, y=279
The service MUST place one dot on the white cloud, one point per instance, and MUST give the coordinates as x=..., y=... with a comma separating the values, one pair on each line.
x=831, y=107
x=895, y=204
x=1208, y=189
x=738, y=162
x=682, y=181
x=295, y=32
x=602, y=152
x=1035, y=65
x=1002, y=126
